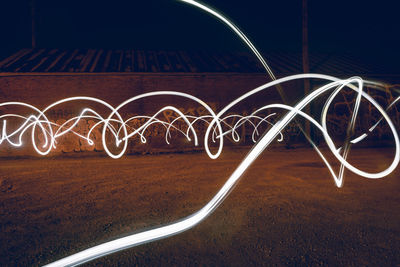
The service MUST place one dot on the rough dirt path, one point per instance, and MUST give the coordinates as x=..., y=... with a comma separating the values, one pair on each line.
x=285, y=211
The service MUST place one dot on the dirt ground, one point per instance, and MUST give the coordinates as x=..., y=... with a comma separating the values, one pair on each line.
x=286, y=210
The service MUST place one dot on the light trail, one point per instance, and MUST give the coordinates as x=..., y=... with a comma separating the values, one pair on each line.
x=217, y=128
x=236, y=30
x=216, y=124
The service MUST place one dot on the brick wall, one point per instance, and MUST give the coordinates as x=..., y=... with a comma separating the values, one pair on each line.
x=40, y=90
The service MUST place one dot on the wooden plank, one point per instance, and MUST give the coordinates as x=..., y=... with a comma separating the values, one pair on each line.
x=77, y=60
x=164, y=61
x=55, y=61
x=188, y=61
x=231, y=60
x=221, y=61
x=279, y=65
x=87, y=59
x=29, y=61
x=114, y=61
x=15, y=56
x=180, y=65
x=291, y=62
x=107, y=61
x=127, y=61
x=141, y=61
x=198, y=60
x=155, y=67
x=121, y=57
x=253, y=61
x=68, y=61
x=28, y=51
x=212, y=59
x=245, y=64
x=133, y=60
x=96, y=60
x=82, y=60
x=44, y=59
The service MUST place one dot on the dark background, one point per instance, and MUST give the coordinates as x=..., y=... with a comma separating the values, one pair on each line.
x=368, y=29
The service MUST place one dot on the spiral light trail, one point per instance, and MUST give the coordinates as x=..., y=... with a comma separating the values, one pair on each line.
x=218, y=126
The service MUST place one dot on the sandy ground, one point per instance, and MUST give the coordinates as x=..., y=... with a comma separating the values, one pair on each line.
x=285, y=211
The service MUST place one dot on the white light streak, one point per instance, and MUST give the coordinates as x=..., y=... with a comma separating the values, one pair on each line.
x=217, y=128
x=217, y=122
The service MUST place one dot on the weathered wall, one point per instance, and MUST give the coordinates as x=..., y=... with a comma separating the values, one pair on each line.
x=40, y=90
x=216, y=89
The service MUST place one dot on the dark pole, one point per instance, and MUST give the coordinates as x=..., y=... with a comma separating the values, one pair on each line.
x=306, y=66
x=33, y=29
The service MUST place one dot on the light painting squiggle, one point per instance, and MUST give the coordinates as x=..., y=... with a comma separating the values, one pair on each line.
x=216, y=122
x=217, y=128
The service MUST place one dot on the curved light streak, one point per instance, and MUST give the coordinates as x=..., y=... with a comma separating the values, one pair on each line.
x=241, y=35
x=217, y=122
x=236, y=30
x=215, y=126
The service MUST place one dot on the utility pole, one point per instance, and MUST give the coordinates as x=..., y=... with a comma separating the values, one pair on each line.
x=33, y=23
x=306, y=65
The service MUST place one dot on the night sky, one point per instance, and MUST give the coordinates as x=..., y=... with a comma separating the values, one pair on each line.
x=368, y=29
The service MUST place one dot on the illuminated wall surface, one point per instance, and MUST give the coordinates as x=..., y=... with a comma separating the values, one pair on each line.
x=213, y=86
x=118, y=114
